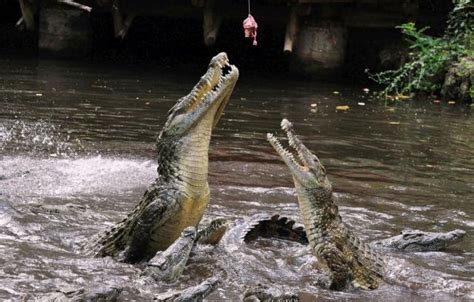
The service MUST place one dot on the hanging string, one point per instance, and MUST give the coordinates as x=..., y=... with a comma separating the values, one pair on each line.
x=250, y=27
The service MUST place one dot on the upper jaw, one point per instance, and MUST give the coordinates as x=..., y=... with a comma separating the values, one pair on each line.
x=213, y=91
x=304, y=155
x=214, y=88
x=298, y=166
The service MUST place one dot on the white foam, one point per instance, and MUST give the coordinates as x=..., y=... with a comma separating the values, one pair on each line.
x=26, y=177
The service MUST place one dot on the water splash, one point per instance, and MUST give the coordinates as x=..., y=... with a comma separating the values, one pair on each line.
x=29, y=179
x=37, y=138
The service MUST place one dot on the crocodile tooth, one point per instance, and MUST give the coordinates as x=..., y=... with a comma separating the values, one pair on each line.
x=286, y=125
x=292, y=142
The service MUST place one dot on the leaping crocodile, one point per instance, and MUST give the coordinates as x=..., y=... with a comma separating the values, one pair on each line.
x=180, y=194
x=342, y=255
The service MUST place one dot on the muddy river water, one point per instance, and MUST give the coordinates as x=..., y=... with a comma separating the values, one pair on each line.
x=84, y=135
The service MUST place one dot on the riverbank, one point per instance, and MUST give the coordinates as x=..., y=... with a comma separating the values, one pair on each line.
x=441, y=66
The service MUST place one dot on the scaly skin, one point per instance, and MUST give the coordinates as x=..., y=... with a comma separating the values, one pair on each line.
x=250, y=228
x=180, y=194
x=341, y=254
x=284, y=228
x=168, y=265
x=193, y=294
x=263, y=293
x=96, y=293
x=213, y=232
x=420, y=241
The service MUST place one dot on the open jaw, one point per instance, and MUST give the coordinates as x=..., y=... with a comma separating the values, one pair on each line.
x=297, y=157
x=213, y=89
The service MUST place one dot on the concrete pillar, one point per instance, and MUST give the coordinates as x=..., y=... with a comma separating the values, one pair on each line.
x=291, y=30
x=64, y=31
x=292, y=25
x=320, y=50
x=121, y=21
x=28, y=9
x=212, y=20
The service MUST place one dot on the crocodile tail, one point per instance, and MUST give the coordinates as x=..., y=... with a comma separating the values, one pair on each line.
x=275, y=227
x=243, y=227
x=368, y=266
x=263, y=225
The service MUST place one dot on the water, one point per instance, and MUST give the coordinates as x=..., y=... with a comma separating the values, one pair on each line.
x=83, y=136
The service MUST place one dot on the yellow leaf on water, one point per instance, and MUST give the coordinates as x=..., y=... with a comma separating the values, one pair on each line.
x=342, y=108
x=402, y=97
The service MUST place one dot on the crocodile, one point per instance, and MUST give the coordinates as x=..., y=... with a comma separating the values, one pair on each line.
x=96, y=293
x=192, y=294
x=263, y=225
x=420, y=241
x=341, y=254
x=112, y=293
x=213, y=232
x=166, y=266
x=242, y=231
x=180, y=194
x=270, y=294
x=169, y=264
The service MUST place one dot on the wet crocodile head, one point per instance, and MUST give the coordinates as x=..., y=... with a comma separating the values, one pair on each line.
x=305, y=167
x=184, y=140
x=168, y=265
x=420, y=241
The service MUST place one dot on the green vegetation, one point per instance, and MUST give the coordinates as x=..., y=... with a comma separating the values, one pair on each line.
x=431, y=58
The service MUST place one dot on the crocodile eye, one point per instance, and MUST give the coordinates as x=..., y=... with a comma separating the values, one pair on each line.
x=163, y=265
x=179, y=111
x=410, y=236
x=323, y=169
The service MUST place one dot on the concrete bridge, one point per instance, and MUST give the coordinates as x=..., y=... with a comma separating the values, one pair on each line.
x=316, y=30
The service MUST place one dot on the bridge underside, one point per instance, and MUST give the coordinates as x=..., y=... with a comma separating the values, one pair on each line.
x=315, y=31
